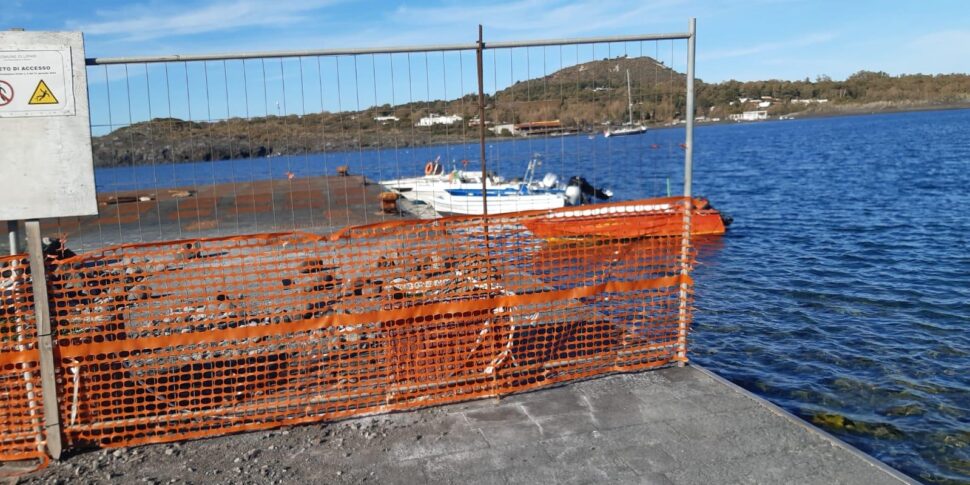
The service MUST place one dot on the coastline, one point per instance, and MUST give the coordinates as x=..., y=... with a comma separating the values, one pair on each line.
x=866, y=109
x=392, y=141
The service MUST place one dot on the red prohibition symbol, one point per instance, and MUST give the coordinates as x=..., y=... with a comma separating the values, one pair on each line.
x=6, y=93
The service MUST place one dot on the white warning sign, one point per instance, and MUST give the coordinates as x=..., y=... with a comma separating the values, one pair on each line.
x=37, y=82
x=46, y=168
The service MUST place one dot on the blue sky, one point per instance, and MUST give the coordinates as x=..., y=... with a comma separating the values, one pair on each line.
x=739, y=39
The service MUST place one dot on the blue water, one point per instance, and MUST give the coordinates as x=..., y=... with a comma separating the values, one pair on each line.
x=844, y=284
x=841, y=292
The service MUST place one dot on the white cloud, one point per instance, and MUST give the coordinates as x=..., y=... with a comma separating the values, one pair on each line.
x=541, y=18
x=169, y=31
x=154, y=20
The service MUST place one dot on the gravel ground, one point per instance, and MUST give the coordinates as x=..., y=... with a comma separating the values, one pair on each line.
x=321, y=453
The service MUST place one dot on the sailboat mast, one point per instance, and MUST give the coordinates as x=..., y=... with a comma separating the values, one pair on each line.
x=629, y=95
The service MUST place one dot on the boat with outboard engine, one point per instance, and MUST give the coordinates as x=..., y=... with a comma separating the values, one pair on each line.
x=460, y=192
x=436, y=180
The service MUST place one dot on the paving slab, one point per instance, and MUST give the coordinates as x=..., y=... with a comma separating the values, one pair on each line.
x=667, y=426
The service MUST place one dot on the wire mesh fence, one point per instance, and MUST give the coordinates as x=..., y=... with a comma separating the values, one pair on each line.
x=299, y=141
x=247, y=268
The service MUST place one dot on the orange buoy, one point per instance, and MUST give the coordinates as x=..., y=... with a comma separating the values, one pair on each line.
x=429, y=168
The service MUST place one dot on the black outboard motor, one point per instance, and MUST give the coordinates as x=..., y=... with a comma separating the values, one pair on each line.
x=580, y=191
x=54, y=249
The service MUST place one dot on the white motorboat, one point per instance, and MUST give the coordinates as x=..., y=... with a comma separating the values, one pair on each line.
x=460, y=192
x=528, y=195
x=628, y=128
x=499, y=201
x=436, y=181
x=625, y=130
x=503, y=198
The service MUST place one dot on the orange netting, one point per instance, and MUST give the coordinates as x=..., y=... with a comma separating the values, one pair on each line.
x=166, y=341
x=21, y=405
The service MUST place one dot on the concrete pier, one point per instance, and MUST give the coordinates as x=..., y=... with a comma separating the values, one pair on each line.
x=319, y=204
x=669, y=426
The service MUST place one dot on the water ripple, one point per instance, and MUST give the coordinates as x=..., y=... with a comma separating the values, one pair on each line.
x=843, y=292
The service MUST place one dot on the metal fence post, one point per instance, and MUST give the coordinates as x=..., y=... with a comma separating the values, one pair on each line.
x=12, y=236
x=480, y=65
x=689, y=142
x=684, y=311
x=42, y=317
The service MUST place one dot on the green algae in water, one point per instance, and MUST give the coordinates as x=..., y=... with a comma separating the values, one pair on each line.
x=959, y=439
x=844, y=424
x=904, y=410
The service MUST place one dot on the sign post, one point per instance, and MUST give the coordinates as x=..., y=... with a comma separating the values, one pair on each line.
x=42, y=318
x=46, y=167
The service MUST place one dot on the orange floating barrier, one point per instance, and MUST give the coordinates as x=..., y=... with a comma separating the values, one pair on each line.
x=650, y=217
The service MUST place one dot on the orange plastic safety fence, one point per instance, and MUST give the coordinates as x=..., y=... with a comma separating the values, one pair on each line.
x=166, y=341
x=21, y=405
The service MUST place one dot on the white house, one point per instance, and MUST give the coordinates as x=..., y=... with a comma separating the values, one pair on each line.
x=750, y=116
x=385, y=119
x=436, y=119
x=498, y=129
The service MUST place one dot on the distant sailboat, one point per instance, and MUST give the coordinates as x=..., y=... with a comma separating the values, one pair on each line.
x=628, y=128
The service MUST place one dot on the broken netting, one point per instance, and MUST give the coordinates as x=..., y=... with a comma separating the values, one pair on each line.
x=193, y=338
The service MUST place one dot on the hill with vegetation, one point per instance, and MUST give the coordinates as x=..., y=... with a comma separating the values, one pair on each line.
x=864, y=91
x=583, y=97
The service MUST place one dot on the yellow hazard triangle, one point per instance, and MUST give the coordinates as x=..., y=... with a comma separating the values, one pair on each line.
x=42, y=95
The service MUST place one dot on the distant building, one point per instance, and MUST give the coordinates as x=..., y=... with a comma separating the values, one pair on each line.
x=750, y=116
x=385, y=119
x=436, y=119
x=498, y=129
x=809, y=101
x=539, y=128
x=764, y=104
